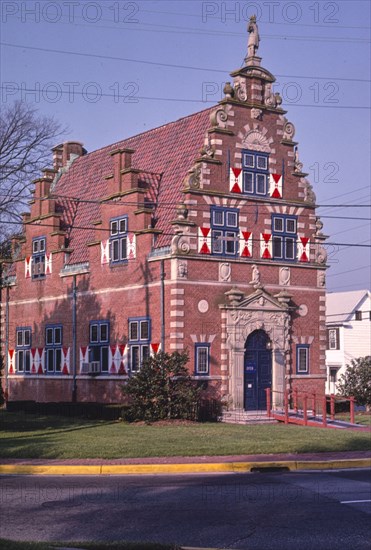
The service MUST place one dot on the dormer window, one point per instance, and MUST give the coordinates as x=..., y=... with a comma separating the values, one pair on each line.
x=38, y=258
x=118, y=240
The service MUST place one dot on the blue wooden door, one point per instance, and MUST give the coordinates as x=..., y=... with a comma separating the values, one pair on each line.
x=258, y=371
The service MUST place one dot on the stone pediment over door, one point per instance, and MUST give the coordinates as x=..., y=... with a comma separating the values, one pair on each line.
x=243, y=315
x=258, y=311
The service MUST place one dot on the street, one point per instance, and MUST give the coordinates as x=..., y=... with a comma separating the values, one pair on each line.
x=329, y=510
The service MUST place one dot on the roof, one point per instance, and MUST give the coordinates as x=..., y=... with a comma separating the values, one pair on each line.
x=163, y=154
x=340, y=306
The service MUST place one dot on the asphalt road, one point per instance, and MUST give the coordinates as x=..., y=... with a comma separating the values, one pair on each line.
x=283, y=511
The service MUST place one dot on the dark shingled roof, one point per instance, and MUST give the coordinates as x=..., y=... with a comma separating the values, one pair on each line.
x=164, y=154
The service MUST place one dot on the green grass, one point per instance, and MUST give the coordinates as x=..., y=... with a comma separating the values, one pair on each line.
x=363, y=419
x=20, y=545
x=33, y=436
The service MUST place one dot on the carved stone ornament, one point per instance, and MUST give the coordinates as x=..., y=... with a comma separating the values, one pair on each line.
x=298, y=166
x=285, y=274
x=218, y=118
x=182, y=270
x=254, y=39
x=224, y=272
x=288, y=130
x=193, y=179
x=256, y=141
x=228, y=90
x=256, y=113
x=207, y=150
x=309, y=194
x=321, y=256
x=255, y=277
x=241, y=92
x=321, y=279
x=180, y=244
x=319, y=226
x=182, y=211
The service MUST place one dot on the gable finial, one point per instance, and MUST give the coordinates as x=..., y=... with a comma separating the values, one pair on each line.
x=254, y=38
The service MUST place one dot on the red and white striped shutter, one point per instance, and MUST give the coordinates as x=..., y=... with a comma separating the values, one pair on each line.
x=66, y=360
x=113, y=359
x=235, y=180
x=303, y=249
x=204, y=240
x=155, y=348
x=41, y=363
x=84, y=355
x=266, y=246
x=275, y=186
x=11, y=361
x=123, y=355
x=132, y=247
x=104, y=252
x=27, y=267
x=245, y=244
x=48, y=264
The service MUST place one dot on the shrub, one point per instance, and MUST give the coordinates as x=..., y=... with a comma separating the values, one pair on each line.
x=356, y=381
x=162, y=389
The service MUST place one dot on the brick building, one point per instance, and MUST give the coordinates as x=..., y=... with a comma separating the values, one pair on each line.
x=200, y=235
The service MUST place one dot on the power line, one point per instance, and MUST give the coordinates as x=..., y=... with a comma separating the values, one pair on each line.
x=170, y=65
x=349, y=271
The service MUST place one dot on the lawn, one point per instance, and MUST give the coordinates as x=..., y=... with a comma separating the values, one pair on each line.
x=34, y=436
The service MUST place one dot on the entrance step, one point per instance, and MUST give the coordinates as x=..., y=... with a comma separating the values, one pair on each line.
x=246, y=417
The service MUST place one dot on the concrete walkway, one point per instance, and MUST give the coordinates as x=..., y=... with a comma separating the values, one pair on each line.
x=190, y=465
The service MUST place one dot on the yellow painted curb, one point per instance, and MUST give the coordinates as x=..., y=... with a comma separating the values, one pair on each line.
x=195, y=468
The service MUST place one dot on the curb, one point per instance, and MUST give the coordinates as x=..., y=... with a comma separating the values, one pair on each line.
x=151, y=469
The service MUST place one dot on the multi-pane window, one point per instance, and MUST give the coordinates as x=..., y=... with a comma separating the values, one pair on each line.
x=302, y=359
x=224, y=225
x=53, y=349
x=333, y=338
x=202, y=359
x=139, y=340
x=23, y=349
x=99, y=344
x=118, y=239
x=38, y=258
x=255, y=172
x=284, y=237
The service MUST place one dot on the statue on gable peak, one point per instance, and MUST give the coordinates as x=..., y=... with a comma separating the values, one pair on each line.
x=254, y=39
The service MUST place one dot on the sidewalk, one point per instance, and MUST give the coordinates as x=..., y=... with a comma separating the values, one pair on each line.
x=184, y=465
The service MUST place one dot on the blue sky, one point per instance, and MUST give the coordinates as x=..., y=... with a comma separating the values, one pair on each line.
x=146, y=63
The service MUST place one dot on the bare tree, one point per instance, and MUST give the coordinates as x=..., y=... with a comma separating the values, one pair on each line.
x=25, y=142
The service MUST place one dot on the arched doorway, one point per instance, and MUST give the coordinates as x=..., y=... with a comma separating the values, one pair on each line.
x=257, y=370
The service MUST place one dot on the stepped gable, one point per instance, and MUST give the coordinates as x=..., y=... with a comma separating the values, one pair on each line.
x=166, y=152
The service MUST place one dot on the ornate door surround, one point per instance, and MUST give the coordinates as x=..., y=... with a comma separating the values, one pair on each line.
x=245, y=314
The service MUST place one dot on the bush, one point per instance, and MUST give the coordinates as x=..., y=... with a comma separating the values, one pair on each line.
x=356, y=381
x=162, y=389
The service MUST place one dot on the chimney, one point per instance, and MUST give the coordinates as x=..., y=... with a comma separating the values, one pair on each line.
x=62, y=153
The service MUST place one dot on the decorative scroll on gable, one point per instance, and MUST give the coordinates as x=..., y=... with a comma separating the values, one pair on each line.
x=245, y=244
x=275, y=186
x=303, y=249
x=204, y=240
x=266, y=246
x=235, y=180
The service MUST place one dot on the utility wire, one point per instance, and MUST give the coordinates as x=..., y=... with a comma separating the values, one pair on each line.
x=170, y=65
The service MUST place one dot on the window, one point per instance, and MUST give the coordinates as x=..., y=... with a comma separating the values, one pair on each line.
x=224, y=225
x=202, y=359
x=284, y=237
x=38, y=258
x=118, y=240
x=53, y=348
x=99, y=343
x=333, y=338
x=302, y=359
x=255, y=172
x=358, y=315
x=23, y=349
x=139, y=339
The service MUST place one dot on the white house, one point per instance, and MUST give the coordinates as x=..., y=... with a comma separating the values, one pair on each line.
x=348, y=322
